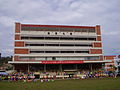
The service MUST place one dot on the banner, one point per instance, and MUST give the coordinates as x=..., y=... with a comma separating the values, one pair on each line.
x=63, y=62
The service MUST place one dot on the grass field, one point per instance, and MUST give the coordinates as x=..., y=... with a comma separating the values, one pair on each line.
x=87, y=84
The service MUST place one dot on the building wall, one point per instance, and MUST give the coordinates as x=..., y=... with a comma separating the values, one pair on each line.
x=57, y=42
x=109, y=61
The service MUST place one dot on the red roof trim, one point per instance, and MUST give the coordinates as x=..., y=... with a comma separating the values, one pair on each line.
x=64, y=26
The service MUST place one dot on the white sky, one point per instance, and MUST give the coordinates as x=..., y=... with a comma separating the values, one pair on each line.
x=66, y=12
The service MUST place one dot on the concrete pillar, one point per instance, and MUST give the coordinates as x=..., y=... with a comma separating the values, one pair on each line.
x=91, y=67
x=28, y=68
x=60, y=67
x=76, y=67
x=44, y=67
x=13, y=67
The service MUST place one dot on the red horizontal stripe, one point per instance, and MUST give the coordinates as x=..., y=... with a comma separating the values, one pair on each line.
x=30, y=25
x=62, y=62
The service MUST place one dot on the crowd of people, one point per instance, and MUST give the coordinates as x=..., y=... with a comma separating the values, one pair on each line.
x=98, y=74
x=23, y=76
x=51, y=76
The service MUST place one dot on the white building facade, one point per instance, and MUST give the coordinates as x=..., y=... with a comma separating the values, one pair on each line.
x=56, y=44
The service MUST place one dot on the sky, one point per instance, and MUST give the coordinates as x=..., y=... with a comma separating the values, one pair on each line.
x=105, y=13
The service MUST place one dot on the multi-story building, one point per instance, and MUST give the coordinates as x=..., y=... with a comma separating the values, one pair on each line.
x=57, y=47
x=110, y=62
x=117, y=63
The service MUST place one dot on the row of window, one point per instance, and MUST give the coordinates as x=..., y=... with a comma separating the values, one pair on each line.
x=58, y=29
x=78, y=45
x=57, y=33
x=58, y=38
x=60, y=58
x=59, y=51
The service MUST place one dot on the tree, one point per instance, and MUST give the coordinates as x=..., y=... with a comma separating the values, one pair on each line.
x=4, y=62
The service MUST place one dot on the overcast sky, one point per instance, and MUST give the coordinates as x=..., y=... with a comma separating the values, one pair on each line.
x=66, y=12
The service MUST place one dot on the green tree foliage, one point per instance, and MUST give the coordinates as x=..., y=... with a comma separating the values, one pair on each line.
x=4, y=60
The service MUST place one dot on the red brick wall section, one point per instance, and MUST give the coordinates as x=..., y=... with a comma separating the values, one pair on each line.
x=109, y=57
x=98, y=38
x=101, y=57
x=17, y=37
x=17, y=27
x=95, y=51
x=97, y=44
x=109, y=63
x=118, y=56
x=98, y=29
x=21, y=51
x=16, y=58
x=19, y=43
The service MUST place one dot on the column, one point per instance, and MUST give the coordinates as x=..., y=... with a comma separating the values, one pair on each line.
x=60, y=67
x=28, y=68
x=90, y=67
x=76, y=67
x=13, y=67
x=44, y=67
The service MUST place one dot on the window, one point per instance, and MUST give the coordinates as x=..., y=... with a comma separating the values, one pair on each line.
x=55, y=33
x=81, y=51
x=61, y=58
x=66, y=51
x=66, y=44
x=48, y=33
x=70, y=33
x=34, y=45
x=77, y=45
x=51, y=51
x=45, y=58
x=51, y=44
x=66, y=38
x=53, y=58
x=36, y=51
x=91, y=30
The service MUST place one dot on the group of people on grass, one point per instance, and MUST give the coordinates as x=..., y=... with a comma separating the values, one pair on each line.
x=98, y=74
x=29, y=77
x=25, y=77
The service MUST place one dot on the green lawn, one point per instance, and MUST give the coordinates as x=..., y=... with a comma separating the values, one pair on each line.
x=86, y=84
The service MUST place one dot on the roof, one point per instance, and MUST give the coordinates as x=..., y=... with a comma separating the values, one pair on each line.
x=61, y=26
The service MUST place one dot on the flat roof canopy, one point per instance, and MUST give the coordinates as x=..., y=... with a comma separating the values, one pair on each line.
x=55, y=62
